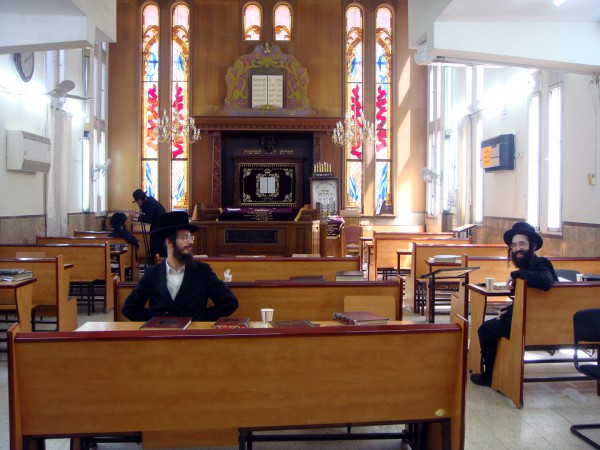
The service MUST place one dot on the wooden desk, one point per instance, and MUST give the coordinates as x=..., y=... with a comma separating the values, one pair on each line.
x=205, y=385
x=21, y=299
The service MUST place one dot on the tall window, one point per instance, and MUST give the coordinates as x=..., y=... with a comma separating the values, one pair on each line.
x=554, y=157
x=180, y=52
x=533, y=160
x=354, y=104
x=150, y=46
x=252, y=21
x=282, y=18
x=383, y=87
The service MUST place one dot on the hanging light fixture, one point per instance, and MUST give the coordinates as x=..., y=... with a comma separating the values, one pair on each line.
x=177, y=129
x=352, y=132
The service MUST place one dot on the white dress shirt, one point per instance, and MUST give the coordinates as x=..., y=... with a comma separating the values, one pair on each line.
x=174, y=279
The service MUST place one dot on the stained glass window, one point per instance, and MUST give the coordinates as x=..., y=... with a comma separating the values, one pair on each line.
x=383, y=86
x=150, y=44
x=180, y=54
x=252, y=20
x=283, y=22
x=354, y=104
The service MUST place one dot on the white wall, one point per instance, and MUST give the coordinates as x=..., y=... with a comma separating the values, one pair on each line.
x=24, y=106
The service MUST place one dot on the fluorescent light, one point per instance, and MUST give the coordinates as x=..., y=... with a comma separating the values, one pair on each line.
x=558, y=2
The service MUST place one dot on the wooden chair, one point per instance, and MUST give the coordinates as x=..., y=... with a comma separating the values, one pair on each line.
x=383, y=305
x=350, y=242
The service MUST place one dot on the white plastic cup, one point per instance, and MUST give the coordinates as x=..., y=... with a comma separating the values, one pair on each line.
x=579, y=277
x=266, y=314
x=489, y=284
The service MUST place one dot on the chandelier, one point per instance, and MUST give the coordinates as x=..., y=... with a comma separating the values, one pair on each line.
x=352, y=131
x=178, y=128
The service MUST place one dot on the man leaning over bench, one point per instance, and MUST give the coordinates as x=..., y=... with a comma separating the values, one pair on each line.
x=522, y=241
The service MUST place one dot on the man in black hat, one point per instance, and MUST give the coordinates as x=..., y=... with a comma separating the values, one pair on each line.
x=522, y=241
x=179, y=286
x=152, y=211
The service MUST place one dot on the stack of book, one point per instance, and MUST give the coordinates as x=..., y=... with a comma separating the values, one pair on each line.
x=349, y=275
x=16, y=274
x=445, y=258
x=359, y=318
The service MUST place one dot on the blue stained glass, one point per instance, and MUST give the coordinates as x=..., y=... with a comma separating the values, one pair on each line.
x=353, y=189
x=151, y=189
x=152, y=72
x=382, y=185
x=179, y=188
x=383, y=74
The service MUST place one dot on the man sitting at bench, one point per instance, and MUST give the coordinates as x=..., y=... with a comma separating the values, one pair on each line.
x=522, y=241
x=179, y=286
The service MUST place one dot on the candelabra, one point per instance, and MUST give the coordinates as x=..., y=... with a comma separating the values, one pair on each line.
x=176, y=129
x=352, y=131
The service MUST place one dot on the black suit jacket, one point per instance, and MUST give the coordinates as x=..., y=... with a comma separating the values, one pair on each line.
x=199, y=284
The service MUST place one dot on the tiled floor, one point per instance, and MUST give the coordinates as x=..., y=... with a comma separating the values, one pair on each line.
x=492, y=422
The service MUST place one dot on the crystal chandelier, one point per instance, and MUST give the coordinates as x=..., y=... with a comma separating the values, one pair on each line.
x=352, y=131
x=179, y=128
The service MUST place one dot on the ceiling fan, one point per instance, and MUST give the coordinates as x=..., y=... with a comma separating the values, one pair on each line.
x=100, y=169
x=62, y=89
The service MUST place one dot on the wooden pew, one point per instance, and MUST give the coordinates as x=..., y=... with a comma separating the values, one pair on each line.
x=386, y=246
x=541, y=321
x=277, y=268
x=96, y=237
x=258, y=378
x=422, y=251
x=51, y=288
x=293, y=300
x=91, y=262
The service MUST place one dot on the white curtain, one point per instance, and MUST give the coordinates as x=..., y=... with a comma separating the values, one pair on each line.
x=58, y=177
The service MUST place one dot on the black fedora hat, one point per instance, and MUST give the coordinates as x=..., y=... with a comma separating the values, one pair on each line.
x=138, y=194
x=117, y=220
x=173, y=221
x=527, y=230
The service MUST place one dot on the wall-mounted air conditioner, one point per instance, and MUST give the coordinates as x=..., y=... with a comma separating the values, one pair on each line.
x=425, y=56
x=27, y=151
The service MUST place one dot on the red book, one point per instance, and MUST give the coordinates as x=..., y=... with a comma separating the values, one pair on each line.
x=359, y=318
x=167, y=323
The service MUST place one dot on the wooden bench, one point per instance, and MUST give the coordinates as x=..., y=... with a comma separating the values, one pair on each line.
x=51, y=289
x=91, y=263
x=540, y=321
x=421, y=252
x=386, y=246
x=258, y=379
x=130, y=257
x=277, y=268
x=291, y=299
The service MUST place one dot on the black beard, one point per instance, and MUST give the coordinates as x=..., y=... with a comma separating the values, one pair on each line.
x=187, y=259
x=520, y=263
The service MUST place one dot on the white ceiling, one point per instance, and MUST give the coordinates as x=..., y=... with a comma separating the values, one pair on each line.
x=515, y=32
x=37, y=25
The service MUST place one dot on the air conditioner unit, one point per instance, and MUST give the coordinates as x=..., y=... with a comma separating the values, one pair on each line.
x=27, y=152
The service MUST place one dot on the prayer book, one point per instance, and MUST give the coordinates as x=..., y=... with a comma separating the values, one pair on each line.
x=445, y=258
x=232, y=322
x=167, y=323
x=359, y=318
x=15, y=274
x=301, y=323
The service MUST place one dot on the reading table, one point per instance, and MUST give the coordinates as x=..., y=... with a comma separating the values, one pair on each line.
x=20, y=300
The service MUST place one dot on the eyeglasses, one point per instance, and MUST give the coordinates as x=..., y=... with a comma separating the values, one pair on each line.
x=187, y=238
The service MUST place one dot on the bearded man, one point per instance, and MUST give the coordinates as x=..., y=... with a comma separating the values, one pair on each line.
x=522, y=241
x=179, y=286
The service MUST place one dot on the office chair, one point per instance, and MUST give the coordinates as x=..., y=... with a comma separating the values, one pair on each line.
x=586, y=327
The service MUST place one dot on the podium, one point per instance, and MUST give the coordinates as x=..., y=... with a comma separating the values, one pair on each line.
x=460, y=273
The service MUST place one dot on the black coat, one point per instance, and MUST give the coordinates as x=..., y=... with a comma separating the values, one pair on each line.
x=151, y=212
x=199, y=284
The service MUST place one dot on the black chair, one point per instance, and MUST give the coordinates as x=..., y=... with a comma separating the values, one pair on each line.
x=568, y=274
x=586, y=327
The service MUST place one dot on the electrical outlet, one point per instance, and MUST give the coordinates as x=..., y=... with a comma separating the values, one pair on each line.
x=592, y=179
